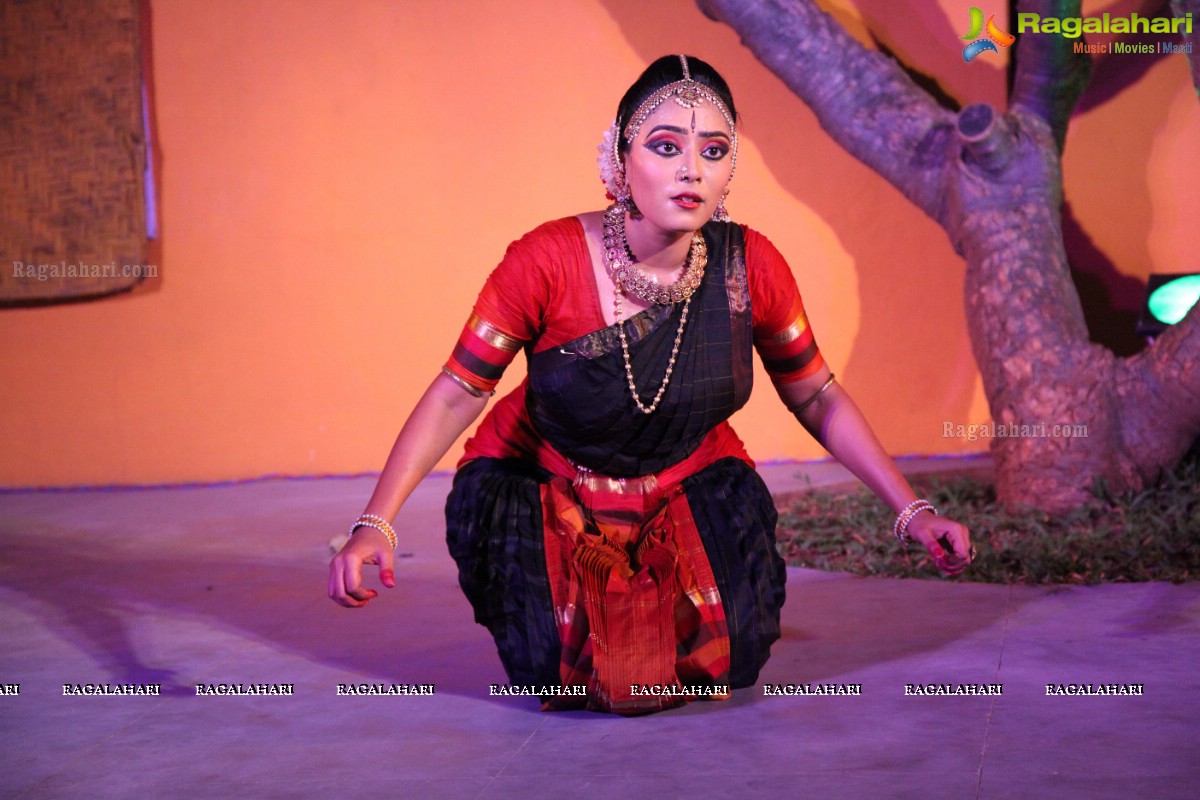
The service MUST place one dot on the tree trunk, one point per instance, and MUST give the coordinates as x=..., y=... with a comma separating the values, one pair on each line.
x=1073, y=411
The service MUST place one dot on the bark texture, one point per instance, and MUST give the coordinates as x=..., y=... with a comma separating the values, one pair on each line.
x=993, y=181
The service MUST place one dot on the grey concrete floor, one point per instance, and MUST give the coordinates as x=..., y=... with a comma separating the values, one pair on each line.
x=227, y=584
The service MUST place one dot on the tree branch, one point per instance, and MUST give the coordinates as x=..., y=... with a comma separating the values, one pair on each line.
x=862, y=98
x=1158, y=392
x=1050, y=77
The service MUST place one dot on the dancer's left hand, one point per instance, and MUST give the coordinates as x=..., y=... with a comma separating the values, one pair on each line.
x=948, y=542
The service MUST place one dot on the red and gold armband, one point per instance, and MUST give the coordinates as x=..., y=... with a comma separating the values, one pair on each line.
x=790, y=354
x=481, y=356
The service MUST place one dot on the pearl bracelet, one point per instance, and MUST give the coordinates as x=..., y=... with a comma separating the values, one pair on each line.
x=378, y=523
x=900, y=527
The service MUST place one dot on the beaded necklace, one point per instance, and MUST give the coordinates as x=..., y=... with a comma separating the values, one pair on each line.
x=625, y=275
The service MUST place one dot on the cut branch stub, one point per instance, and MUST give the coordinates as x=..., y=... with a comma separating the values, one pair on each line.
x=987, y=139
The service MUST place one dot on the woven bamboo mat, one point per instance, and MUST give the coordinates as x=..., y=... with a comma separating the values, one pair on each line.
x=72, y=150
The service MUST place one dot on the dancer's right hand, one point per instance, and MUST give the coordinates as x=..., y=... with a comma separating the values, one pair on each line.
x=366, y=546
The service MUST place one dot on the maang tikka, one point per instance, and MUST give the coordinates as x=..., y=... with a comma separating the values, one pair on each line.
x=688, y=93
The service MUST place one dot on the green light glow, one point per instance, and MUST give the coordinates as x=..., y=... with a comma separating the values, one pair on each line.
x=1170, y=302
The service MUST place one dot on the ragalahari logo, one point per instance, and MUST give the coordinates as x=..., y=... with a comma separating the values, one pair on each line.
x=995, y=35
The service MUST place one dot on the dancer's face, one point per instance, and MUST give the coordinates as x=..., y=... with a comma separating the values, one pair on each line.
x=679, y=164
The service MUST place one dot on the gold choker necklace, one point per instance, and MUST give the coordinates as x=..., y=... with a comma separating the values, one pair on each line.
x=619, y=260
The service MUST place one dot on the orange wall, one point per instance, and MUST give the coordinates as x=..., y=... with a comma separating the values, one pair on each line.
x=339, y=176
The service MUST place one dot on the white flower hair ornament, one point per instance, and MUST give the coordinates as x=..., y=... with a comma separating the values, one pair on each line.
x=612, y=171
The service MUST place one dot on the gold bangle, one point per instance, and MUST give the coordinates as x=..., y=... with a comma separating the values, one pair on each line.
x=471, y=390
x=813, y=399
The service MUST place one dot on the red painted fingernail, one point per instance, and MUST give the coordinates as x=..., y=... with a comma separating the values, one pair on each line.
x=387, y=577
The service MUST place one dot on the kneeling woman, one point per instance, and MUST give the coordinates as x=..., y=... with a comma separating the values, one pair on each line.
x=608, y=525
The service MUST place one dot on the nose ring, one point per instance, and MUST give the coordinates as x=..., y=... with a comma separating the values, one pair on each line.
x=682, y=174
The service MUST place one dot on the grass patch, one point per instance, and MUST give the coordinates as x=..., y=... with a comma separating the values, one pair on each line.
x=1153, y=535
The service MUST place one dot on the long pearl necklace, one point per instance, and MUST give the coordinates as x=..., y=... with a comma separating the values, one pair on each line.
x=621, y=268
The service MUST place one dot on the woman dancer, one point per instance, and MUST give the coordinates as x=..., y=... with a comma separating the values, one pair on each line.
x=608, y=525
